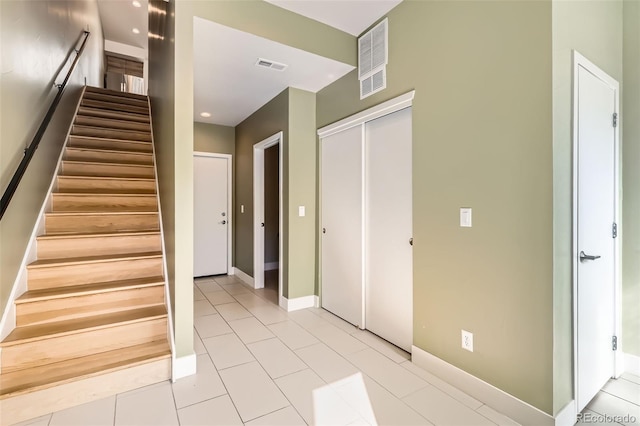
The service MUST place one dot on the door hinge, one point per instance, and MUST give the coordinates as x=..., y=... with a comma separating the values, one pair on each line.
x=614, y=343
x=614, y=230
x=615, y=119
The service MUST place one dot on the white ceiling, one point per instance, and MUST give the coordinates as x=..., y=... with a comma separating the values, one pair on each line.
x=120, y=17
x=229, y=85
x=351, y=16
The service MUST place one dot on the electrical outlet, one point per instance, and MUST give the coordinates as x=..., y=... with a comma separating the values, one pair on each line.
x=467, y=340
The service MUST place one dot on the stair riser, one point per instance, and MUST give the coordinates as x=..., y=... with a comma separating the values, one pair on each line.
x=101, y=223
x=111, y=203
x=94, y=304
x=82, y=120
x=66, y=184
x=115, y=107
x=107, y=170
x=131, y=146
x=123, y=100
x=61, y=348
x=75, y=154
x=101, y=113
x=97, y=246
x=91, y=89
x=90, y=273
x=98, y=132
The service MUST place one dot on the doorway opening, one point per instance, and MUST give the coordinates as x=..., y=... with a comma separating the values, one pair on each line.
x=596, y=246
x=267, y=197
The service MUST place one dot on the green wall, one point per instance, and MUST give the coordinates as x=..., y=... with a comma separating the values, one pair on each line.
x=214, y=138
x=482, y=138
x=35, y=38
x=631, y=180
x=593, y=28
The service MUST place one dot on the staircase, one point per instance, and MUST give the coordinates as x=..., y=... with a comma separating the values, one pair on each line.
x=93, y=321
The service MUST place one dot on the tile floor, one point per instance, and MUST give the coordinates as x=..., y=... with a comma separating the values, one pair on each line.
x=259, y=365
x=618, y=403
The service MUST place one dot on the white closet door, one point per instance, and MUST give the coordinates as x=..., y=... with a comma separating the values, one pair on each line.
x=342, y=227
x=210, y=216
x=389, y=229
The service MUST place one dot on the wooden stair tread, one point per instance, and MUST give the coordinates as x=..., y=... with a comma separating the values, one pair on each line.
x=102, y=90
x=108, y=120
x=105, y=113
x=61, y=292
x=96, y=138
x=46, y=263
x=103, y=129
x=106, y=191
x=92, y=103
x=108, y=163
x=98, y=178
x=100, y=213
x=44, y=376
x=104, y=194
x=96, y=235
x=110, y=151
x=115, y=98
x=35, y=332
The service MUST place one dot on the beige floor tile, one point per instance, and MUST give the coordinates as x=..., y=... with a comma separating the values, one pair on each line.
x=631, y=377
x=203, y=385
x=236, y=288
x=387, y=349
x=338, y=340
x=209, y=286
x=232, y=311
x=150, y=406
x=227, y=351
x=285, y=417
x=389, y=374
x=250, y=300
x=588, y=417
x=607, y=404
x=227, y=279
x=326, y=363
x=202, y=308
x=456, y=393
x=293, y=335
x=95, y=413
x=316, y=401
x=211, y=325
x=197, y=294
x=335, y=320
x=252, y=391
x=496, y=417
x=269, y=314
x=276, y=358
x=441, y=409
x=198, y=346
x=219, y=297
x=250, y=330
x=624, y=389
x=219, y=411
x=374, y=403
x=307, y=319
x=38, y=421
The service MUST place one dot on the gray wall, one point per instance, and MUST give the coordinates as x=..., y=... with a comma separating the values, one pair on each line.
x=36, y=37
x=481, y=138
x=631, y=180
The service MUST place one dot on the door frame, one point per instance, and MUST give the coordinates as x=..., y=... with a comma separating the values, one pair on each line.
x=579, y=61
x=229, y=159
x=258, y=206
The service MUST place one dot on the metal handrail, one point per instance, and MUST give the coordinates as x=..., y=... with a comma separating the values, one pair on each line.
x=31, y=149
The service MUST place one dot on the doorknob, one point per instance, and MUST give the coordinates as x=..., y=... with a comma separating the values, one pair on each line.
x=584, y=257
x=224, y=222
x=262, y=224
x=411, y=241
x=324, y=230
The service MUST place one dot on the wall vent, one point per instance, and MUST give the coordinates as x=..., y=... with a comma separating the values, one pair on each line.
x=373, y=56
x=266, y=63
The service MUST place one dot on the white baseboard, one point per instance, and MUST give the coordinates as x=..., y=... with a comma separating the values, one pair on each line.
x=567, y=416
x=495, y=398
x=270, y=266
x=298, y=303
x=632, y=364
x=243, y=276
x=183, y=366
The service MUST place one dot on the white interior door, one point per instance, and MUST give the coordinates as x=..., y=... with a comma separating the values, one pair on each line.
x=389, y=228
x=211, y=215
x=342, y=224
x=596, y=103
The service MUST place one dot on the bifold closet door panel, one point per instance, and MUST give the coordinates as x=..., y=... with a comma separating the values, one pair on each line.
x=342, y=225
x=389, y=228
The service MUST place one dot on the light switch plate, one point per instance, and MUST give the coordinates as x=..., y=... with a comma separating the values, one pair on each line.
x=301, y=211
x=465, y=217
x=242, y=208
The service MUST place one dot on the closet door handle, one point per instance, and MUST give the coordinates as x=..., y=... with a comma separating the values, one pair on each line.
x=410, y=241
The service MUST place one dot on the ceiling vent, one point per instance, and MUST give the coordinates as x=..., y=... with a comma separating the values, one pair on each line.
x=265, y=63
x=373, y=57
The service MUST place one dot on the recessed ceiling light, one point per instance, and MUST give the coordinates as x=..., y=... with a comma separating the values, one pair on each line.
x=136, y=31
x=205, y=114
x=136, y=3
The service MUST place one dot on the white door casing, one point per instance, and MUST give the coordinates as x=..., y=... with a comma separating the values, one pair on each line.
x=389, y=228
x=342, y=224
x=212, y=219
x=595, y=212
